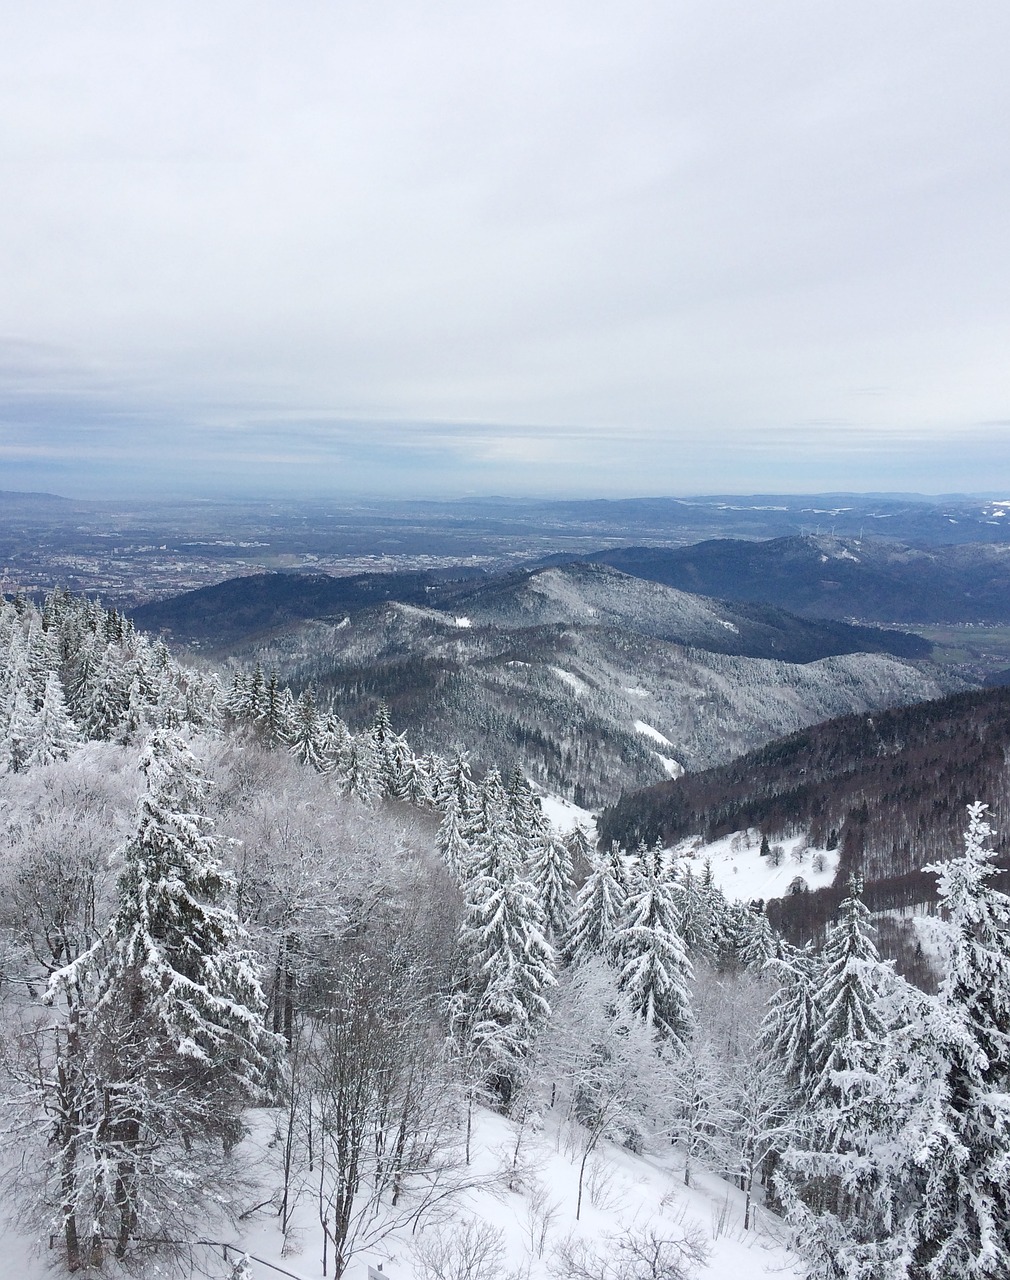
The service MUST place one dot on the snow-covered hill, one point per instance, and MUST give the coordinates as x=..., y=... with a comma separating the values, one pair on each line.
x=567, y=702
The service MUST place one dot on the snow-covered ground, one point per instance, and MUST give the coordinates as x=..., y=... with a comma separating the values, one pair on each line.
x=530, y=1212
x=741, y=873
x=572, y=680
x=652, y=733
x=565, y=816
x=737, y=865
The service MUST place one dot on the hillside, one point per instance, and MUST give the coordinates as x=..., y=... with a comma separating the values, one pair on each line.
x=889, y=790
x=239, y=609
x=587, y=710
x=218, y=618
x=870, y=578
x=595, y=594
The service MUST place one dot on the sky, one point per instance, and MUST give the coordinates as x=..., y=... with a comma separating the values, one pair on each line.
x=557, y=246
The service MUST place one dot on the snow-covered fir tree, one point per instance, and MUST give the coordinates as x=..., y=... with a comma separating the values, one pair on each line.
x=794, y=1017
x=756, y=941
x=169, y=1044
x=598, y=915
x=306, y=741
x=551, y=873
x=655, y=968
x=451, y=840
x=851, y=978
x=55, y=734
x=510, y=963
x=960, y=1224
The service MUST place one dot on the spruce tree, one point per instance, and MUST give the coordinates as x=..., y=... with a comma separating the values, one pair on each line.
x=512, y=971
x=56, y=735
x=961, y=1225
x=756, y=943
x=851, y=1031
x=551, y=874
x=359, y=776
x=451, y=842
x=174, y=1039
x=306, y=742
x=791, y=1024
x=655, y=971
x=598, y=915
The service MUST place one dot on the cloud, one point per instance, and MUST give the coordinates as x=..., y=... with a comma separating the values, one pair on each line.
x=454, y=244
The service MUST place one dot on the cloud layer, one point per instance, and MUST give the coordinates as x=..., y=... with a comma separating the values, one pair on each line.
x=579, y=246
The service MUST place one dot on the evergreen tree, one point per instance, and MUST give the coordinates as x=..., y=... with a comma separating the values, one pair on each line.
x=792, y=1021
x=417, y=785
x=551, y=874
x=961, y=1223
x=174, y=1041
x=512, y=971
x=56, y=735
x=20, y=729
x=490, y=833
x=694, y=912
x=306, y=741
x=758, y=943
x=851, y=1031
x=276, y=719
x=107, y=698
x=656, y=970
x=598, y=915
x=359, y=776
x=451, y=842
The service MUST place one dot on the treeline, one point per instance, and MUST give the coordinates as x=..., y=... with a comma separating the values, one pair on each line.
x=889, y=790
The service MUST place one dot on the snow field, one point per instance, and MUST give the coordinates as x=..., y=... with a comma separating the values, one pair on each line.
x=527, y=1204
x=742, y=874
x=649, y=732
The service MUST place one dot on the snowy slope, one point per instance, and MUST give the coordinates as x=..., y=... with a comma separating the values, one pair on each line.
x=743, y=874
x=624, y=1191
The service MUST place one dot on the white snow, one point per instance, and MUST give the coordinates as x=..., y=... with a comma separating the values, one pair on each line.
x=462, y=621
x=673, y=767
x=933, y=936
x=741, y=873
x=565, y=816
x=652, y=733
x=730, y=626
x=571, y=679
x=637, y=691
x=622, y=1191
x=344, y=622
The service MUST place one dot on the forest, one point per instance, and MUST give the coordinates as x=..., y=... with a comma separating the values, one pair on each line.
x=221, y=906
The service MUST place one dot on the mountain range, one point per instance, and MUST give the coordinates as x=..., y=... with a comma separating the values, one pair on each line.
x=590, y=680
x=871, y=579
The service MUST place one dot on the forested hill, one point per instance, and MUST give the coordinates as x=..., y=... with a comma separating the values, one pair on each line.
x=241, y=609
x=251, y=608
x=820, y=576
x=890, y=788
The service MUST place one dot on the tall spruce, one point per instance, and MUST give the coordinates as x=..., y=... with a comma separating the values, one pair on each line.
x=961, y=1225
x=175, y=1044
x=656, y=970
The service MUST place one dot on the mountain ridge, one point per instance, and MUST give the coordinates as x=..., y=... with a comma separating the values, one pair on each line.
x=821, y=576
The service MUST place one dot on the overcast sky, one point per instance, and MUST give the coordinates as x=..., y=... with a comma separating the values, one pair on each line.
x=504, y=247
